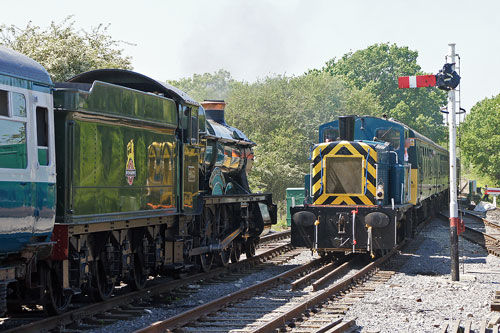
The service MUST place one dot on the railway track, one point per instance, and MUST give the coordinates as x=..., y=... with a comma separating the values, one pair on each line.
x=481, y=231
x=274, y=247
x=460, y=326
x=487, y=235
x=288, y=298
x=299, y=300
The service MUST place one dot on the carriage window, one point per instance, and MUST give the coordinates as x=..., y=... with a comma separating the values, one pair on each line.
x=4, y=104
x=390, y=135
x=42, y=135
x=330, y=134
x=18, y=105
x=13, y=144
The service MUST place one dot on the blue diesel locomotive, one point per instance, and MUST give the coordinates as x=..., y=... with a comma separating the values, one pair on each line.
x=371, y=181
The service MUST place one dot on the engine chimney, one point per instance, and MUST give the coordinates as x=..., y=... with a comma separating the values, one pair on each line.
x=214, y=110
x=346, y=127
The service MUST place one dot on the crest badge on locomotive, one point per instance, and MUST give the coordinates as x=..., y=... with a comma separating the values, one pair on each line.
x=130, y=171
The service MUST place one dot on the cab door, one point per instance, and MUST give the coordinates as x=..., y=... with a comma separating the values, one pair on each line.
x=190, y=160
x=44, y=164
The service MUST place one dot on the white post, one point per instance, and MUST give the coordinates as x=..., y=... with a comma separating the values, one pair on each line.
x=453, y=174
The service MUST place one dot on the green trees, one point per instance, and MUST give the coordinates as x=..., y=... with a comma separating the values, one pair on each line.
x=215, y=85
x=376, y=69
x=480, y=138
x=282, y=115
x=65, y=51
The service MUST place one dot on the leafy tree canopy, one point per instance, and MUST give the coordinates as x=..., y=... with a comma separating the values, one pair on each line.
x=215, y=85
x=377, y=69
x=480, y=138
x=282, y=115
x=65, y=51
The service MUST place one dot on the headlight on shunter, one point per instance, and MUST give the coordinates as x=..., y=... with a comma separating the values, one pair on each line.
x=380, y=192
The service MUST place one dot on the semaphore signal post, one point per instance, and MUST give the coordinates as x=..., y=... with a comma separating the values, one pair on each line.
x=446, y=79
x=454, y=219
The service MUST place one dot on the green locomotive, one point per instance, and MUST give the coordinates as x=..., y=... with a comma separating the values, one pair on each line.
x=148, y=182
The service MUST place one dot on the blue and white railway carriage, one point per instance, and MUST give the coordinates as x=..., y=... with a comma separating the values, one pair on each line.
x=27, y=167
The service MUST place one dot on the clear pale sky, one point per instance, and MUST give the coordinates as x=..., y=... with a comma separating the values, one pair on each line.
x=256, y=38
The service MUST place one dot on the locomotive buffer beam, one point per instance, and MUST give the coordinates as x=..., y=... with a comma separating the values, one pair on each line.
x=216, y=247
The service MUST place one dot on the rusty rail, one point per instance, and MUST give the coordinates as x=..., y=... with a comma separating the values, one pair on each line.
x=275, y=236
x=202, y=310
x=298, y=310
x=192, y=315
x=486, y=241
x=93, y=309
x=337, y=271
x=316, y=273
x=338, y=326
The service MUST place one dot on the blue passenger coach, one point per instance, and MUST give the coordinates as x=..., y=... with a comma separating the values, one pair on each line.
x=27, y=165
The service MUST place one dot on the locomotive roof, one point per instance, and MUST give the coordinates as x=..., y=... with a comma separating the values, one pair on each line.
x=392, y=121
x=414, y=133
x=18, y=65
x=136, y=81
x=227, y=133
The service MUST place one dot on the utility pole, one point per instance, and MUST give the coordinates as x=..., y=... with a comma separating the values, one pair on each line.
x=454, y=219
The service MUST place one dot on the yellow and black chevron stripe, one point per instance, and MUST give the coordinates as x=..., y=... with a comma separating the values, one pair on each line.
x=343, y=148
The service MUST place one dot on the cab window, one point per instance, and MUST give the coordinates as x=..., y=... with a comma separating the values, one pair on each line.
x=194, y=129
x=391, y=135
x=330, y=134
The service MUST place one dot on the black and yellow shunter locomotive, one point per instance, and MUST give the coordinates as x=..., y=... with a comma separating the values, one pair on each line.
x=371, y=181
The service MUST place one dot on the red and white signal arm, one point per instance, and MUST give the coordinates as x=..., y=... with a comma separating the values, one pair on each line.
x=417, y=81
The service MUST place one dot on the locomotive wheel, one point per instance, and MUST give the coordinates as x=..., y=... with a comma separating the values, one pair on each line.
x=55, y=302
x=235, y=253
x=225, y=255
x=207, y=222
x=139, y=276
x=102, y=288
x=250, y=248
x=14, y=303
x=206, y=260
